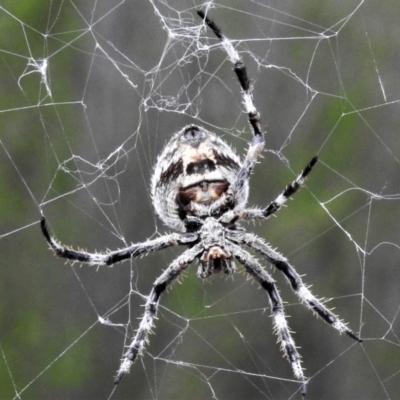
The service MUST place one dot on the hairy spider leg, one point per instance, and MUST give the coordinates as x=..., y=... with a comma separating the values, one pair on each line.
x=240, y=71
x=110, y=258
x=274, y=206
x=167, y=277
x=304, y=294
x=257, y=143
x=282, y=329
x=289, y=191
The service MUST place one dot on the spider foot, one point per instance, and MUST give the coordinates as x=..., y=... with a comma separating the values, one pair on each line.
x=125, y=366
x=45, y=231
x=118, y=378
x=341, y=327
x=304, y=389
x=353, y=336
x=122, y=371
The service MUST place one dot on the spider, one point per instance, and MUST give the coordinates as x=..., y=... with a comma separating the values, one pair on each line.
x=200, y=188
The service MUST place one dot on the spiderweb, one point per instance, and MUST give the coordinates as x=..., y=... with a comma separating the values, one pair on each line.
x=91, y=92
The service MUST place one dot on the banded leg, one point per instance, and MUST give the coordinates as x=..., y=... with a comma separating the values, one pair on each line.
x=241, y=73
x=258, y=214
x=257, y=143
x=288, y=345
x=168, y=276
x=113, y=257
x=289, y=191
x=304, y=294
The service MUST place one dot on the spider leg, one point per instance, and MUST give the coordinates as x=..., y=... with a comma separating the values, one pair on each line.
x=274, y=206
x=241, y=73
x=167, y=277
x=289, y=191
x=304, y=294
x=257, y=143
x=280, y=323
x=113, y=257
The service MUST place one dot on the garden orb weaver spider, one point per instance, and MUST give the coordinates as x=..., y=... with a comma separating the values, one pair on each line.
x=200, y=188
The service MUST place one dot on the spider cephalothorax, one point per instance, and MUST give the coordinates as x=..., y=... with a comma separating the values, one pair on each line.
x=200, y=188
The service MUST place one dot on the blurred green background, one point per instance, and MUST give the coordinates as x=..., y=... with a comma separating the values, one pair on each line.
x=92, y=91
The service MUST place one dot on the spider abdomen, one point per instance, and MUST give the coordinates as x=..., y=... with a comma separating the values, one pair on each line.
x=195, y=166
